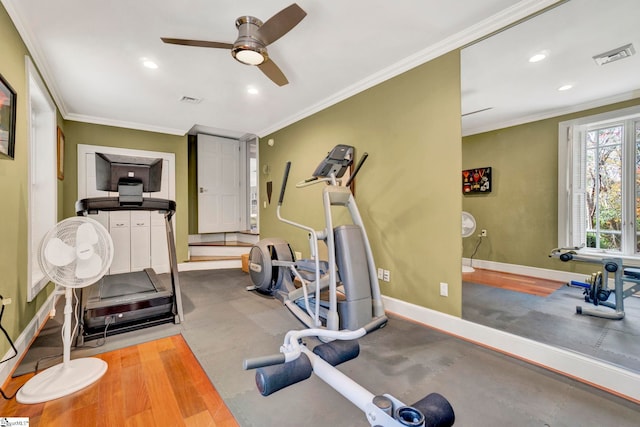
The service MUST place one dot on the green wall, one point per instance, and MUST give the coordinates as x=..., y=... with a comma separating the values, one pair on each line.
x=521, y=213
x=14, y=195
x=408, y=190
x=91, y=134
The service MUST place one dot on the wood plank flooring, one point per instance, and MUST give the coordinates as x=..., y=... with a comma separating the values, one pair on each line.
x=513, y=282
x=159, y=383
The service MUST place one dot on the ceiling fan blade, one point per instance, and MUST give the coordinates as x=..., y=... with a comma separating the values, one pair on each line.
x=197, y=43
x=271, y=70
x=281, y=23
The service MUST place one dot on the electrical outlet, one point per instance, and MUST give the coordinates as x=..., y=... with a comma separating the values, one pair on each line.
x=386, y=276
x=444, y=289
x=380, y=274
x=6, y=301
x=483, y=233
x=298, y=255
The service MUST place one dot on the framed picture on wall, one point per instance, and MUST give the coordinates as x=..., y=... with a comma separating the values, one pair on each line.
x=7, y=119
x=476, y=180
x=60, y=154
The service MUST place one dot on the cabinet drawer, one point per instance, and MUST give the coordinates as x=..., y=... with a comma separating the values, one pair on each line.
x=140, y=218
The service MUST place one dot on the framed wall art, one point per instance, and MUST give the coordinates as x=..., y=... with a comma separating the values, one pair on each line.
x=7, y=119
x=476, y=180
x=60, y=154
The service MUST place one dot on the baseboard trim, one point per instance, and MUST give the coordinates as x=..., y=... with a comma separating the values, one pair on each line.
x=26, y=337
x=210, y=265
x=524, y=270
x=613, y=379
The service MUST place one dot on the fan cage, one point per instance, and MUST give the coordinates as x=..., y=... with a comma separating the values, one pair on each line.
x=66, y=230
x=466, y=230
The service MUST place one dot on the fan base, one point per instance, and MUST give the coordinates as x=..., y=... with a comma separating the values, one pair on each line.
x=468, y=269
x=62, y=380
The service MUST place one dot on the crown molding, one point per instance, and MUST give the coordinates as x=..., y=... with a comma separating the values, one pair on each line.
x=626, y=96
x=494, y=23
x=126, y=125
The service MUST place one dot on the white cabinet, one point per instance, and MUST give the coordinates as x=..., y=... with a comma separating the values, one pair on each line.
x=140, y=240
x=120, y=230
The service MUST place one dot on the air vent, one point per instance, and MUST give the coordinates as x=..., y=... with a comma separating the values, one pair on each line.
x=190, y=100
x=615, y=54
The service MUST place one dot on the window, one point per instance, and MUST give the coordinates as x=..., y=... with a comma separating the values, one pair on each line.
x=599, y=183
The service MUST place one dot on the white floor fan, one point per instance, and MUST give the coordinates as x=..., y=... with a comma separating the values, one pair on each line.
x=75, y=253
x=468, y=228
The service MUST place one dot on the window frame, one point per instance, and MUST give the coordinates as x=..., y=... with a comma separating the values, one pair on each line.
x=570, y=232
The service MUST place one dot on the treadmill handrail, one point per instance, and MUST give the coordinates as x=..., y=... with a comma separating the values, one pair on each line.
x=94, y=204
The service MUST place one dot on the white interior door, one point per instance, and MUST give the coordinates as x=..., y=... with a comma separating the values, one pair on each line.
x=218, y=184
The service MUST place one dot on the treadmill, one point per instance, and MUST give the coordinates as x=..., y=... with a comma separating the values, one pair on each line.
x=120, y=303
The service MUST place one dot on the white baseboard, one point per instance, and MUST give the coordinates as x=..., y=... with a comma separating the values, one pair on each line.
x=27, y=335
x=209, y=265
x=615, y=380
x=543, y=273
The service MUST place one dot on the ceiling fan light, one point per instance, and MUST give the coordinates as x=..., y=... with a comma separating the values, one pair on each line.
x=249, y=57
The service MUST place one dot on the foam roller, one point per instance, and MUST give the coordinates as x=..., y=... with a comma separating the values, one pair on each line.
x=437, y=411
x=273, y=378
x=338, y=351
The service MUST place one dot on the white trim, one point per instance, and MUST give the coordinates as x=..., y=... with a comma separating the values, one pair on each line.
x=123, y=124
x=210, y=265
x=553, y=113
x=42, y=173
x=494, y=23
x=524, y=270
x=603, y=375
x=26, y=336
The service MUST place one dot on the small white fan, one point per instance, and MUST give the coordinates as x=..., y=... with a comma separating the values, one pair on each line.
x=468, y=228
x=75, y=253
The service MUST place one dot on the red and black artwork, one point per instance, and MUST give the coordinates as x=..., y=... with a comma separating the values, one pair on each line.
x=476, y=180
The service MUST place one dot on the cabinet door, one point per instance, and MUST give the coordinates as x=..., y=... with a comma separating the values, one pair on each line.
x=120, y=230
x=140, y=240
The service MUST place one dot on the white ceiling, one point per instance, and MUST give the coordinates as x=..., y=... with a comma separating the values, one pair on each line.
x=497, y=74
x=90, y=55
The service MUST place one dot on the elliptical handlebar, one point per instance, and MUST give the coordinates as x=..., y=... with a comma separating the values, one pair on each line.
x=357, y=169
x=284, y=183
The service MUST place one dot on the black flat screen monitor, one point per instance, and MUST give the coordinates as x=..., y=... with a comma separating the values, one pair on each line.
x=113, y=170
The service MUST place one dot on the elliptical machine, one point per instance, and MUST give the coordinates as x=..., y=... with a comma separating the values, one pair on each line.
x=356, y=302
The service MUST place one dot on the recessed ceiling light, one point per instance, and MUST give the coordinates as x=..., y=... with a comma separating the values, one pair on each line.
x=252, y=90
x=538, y=57
x=565, y=87
x=150, y=64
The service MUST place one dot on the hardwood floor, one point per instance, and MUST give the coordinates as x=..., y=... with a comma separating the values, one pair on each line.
x=513, y=282
x=159, y=383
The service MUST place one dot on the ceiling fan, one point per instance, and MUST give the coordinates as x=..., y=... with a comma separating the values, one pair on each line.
x=254, y=36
